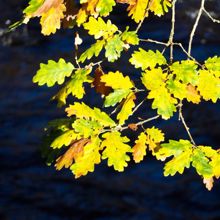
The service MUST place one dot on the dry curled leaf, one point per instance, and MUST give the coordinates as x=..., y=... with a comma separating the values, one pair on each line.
x=100, y=86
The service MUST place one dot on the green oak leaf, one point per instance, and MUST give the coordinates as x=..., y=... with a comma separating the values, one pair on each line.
x=53, y=72
x=113, y=48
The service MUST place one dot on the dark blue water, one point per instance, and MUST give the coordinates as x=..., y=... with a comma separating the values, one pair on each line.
x=31, y=190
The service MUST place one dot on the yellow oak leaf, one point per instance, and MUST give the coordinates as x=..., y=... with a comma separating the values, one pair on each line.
x=154, y=79
x=192, y=94
x=178, y=163
x=65, y=139
x=154, y=137
x=139, y=149
x=163, y=102
x=137, y=9
x=51, y=20
x=115, y=150
x=73, y=153
x=159, y=7
x=86, y=163
x=91, y=7
x=99, y=28
x=81, y=16
x=117, y=80
x=209, y=85
x=126, y=109
x=81, y=110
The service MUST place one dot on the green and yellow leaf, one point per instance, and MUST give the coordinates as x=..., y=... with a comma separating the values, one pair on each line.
x=94, y=50
x=137, y=9
x=116, y=97
x=65, y=139
x=53, y=72
x=213, y=65
x=139, y=149
x=130, y=37
x=115, y=150
x=127, y=108
x=86, y=163
x=104, y=7
x=178, y=163
x=81, y=110
x=147, y=59
x=185, y=71
x=209, y=85
x=113, y=48
x=163, y=102
x=117, y=80
x=98, y=28
x=154, y=137
x=201, y=163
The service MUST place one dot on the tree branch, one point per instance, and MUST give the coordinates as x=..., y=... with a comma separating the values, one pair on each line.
x=201, y=9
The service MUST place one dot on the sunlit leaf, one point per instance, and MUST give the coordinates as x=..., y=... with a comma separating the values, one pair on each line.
x=130, y=37
x=186, y=71
x=117, y=80
x=213, y=65
x=65, y=139
x=80, y=110
x=94, y=50
x=127, y=108
x=53, y=72
x=113, y=48
x=116, y=97
x=163, y=102
x=86, y=128
x=208, y=86
x=99, y=28
x=139, y=149
x=147, y=59
x=201, y=163
x=137, y=9
x=104, y=7
x=154, y=137
x=115, y=150
x=75, y=151
x=86, y=163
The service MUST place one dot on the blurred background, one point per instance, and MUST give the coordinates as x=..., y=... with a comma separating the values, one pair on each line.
x=31, y=190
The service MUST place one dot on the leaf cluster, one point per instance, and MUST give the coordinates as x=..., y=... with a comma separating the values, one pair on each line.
x=89, y=135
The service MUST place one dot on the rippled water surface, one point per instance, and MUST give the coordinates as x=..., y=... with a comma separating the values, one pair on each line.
x=31, y=190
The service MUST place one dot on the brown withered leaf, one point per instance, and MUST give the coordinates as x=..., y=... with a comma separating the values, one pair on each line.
x=73, y=153
x=208, y=183
x=100, y=87
x=46, y=6
x=70, y=14
x=133, y=127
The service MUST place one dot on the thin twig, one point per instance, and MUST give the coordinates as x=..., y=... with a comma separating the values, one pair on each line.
x=138, y=106
x=181, y=118
x=211, y=17
x=154, y=41
x=148, y=120
x=188, y=55
x=119, y=128
x=201, y=9
x=141, y=122
x=170, y=42
x=96, y=64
